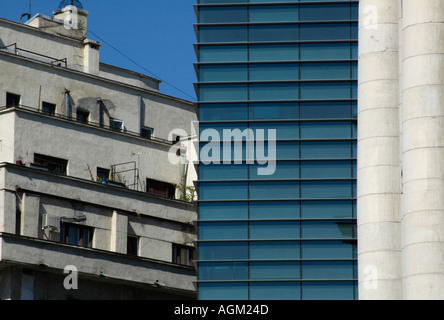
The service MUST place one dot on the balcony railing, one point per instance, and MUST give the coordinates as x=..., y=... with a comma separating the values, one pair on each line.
x=13, y=49
x=89, y=123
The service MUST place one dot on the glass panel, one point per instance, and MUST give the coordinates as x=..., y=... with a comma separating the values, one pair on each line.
x=211, y=34
x=274, y=13
x=328, y=249
x=274, y=52
x=269, y=72
x=325, y=51
x=274, y=91
x=223, y=291
x=275, y=210
x=275, y=250
x=320, y=71
x=223, y=171
x=274, y=190
x=223, y=92
x=328, y=290
x=223, y=53
x=223, y=250
x=330, y=31
x=326, y=130
x=223, y=271
x=283, y=170
x=275, y=270
x=226, y=210
x=264, y=230
x=326, y=169
x=325, y=149
x=216, y=112
x=275, y=291
x=223, y=73
x=223, y=14
x=259, y=111
x=274, y=33
x=326, y=209
x=287, y=150
x=325, y=12
x=326, y=189
x=223, y=230
x=223, y=190
x=325, y=90
x=327, y=270
x=225, y=131
x=325, y=110
x=284, y=130
x=340, y=229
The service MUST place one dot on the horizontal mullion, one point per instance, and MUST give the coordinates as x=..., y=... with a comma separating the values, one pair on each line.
x=277, y=42
x=283, y=260
x=277, y=280
x=285, y=3
x=276, y=101
x=274, y=62
x=276, y=240
x=274, y=220
x=295, y=160
x=272, y=23
x=275, y=81
x=277, y=140
x=276, y=180
x=274, y=200
x=279, y=120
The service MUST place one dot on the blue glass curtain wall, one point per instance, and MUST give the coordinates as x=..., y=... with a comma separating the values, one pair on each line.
x=289, y=67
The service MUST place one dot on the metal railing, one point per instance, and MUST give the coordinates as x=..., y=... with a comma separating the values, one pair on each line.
x=33, y=55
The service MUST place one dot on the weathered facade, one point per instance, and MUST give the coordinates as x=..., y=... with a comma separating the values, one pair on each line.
x=86, y=185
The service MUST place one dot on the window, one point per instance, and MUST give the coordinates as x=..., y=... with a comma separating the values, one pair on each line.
x=12, y=100
x=76, y=234
x=116, y=124
x=102, y=174
x=147, y=132
x=183, y=255
x=82, y=116
x=132, y=245
x=160, y=188
x=50, y=164
x=48, y=108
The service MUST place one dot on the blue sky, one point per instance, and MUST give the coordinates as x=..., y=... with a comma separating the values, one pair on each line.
x=156, y=34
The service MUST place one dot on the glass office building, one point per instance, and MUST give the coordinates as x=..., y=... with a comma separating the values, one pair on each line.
x=288, y=66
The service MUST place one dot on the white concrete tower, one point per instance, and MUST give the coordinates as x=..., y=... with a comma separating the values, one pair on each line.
x=379, y=173
x=423, y=149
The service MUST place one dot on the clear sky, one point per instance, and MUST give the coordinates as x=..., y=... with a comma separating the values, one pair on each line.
x=157, y=35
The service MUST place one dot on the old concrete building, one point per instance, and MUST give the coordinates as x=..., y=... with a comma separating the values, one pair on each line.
x=400, y=150
x=90, y=205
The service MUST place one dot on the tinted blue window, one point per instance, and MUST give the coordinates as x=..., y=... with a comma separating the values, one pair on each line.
x=236, y=53
x=340, y=229
x=223, y=250
x=328, y=250
x=217, y=112
x=223, y=230
x=326, y=110
x=274, y=13
x=275, y=250
x=275, y=291
x=223, y=73
x=212, y=34
x=275, y=270
x=274, y=52
x=328, y=31
x=223, y=190
x=328, y=290
x=223, y=291
x=223, y=271
x=275, y=210
x=326, y=209
x=327, y=270
x=223, y=210
x=223, y=14
x=325, y=12
x=274, y=190
x=270, y=111
x=265, y=230
x=274, y=33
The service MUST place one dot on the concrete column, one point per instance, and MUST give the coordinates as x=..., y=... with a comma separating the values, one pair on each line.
x=378, y=170
x=30, y=215
x=119, y=232
x=423, y=149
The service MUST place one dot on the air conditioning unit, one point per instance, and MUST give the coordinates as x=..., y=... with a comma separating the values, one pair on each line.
x=50, y=222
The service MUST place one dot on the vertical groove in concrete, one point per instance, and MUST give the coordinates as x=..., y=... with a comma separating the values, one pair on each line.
x=423, y=149
x=378, y=203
